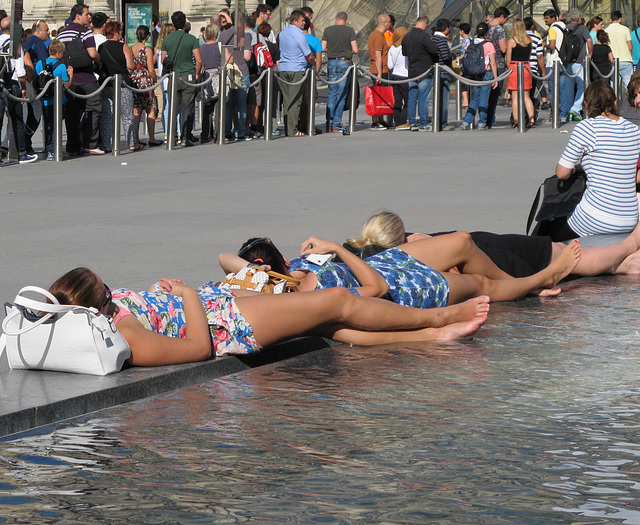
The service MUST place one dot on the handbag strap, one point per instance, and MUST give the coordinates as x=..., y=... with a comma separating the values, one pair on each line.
x=290, y=280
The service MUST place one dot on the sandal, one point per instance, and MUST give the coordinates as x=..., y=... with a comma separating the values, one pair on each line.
x=137, y=147
x=300, y=134
x=531, y=123
x=514, y=124
x=155, y=143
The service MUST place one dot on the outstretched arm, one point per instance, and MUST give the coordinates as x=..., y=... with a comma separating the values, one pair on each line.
x=372, y=284
x=231, y=263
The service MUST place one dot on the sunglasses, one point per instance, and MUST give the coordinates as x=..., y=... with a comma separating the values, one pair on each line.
x=107, y=296
x=252, y=244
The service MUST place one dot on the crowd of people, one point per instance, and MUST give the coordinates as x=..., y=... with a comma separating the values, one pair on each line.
x=395, y=53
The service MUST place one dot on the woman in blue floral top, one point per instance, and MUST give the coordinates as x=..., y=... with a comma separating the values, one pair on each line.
x=174, y=323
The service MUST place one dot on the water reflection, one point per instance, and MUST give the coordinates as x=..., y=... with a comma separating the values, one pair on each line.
x=532, y=422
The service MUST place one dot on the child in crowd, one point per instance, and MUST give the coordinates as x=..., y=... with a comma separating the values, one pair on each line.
x=58, y=69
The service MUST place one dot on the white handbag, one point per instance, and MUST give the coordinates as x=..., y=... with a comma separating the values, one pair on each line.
x=64, y=338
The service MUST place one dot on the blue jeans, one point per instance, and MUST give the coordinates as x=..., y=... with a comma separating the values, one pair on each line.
x=238, y=98
x=444, y=102
x=494, y=95
x=567, y=87
x=479, y=102
x=419, y=95
x=625, y=70
x=337, y=92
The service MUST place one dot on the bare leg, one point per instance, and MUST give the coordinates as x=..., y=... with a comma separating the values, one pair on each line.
x=151, y=124
x=514, y=105
x=137, y=113
x=463, y=286
x=528, y=103
x=455, y=249
x=276, y=318
x=616, y=258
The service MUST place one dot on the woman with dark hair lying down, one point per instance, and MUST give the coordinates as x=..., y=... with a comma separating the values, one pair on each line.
x=174, y=323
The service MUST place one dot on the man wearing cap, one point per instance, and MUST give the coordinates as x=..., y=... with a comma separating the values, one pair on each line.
x=340, y=43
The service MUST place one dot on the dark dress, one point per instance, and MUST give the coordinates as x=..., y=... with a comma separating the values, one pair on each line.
x=601, y=59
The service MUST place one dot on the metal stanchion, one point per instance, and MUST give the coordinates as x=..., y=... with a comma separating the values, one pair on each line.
x=616, y=77
x=555, y=100
x=521, y=109
x=222, y=105
x=57, y=119
x=268, y=108
x=353, y=100
x=459, y=86
x=311, y=125
x=173, y=111
x=437, y=96
x=117, y=115
x=586, y=70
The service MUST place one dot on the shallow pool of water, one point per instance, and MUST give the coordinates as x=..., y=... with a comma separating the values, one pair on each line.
x=534, y=421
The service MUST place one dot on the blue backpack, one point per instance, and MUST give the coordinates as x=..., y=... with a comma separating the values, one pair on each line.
x=473, y=63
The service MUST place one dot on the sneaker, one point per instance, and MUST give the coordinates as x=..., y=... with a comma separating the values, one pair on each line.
x=338, y=129
x=575, y=117
x=414, y=127
x=428, y=127
x=51, y=156
x=403, y=126
x=26, y=159
x=246, y=138
x=465, y=126
x=378, y=126
x=276, y=133
x=481, y=126
x=256, y=135
x=94, y=151
x=447, y=127
x=563, y=120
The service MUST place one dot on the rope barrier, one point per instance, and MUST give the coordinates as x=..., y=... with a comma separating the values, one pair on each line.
x=567, y=73
x=301, y=81
x=43, y=93
x=145, y=90
x=476, y=83
x=593, y=65
x=342, y=78
x=365, y=72
x=90, y=95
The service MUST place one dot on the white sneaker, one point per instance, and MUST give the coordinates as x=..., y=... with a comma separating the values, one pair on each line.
x=94, y=151
x=26, y=159
x=51, y=157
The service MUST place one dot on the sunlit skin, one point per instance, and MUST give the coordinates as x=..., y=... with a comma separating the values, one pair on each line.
x=636, y=101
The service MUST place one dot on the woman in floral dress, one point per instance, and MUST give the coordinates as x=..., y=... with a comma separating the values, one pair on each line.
x=173, y=323
x=144, y=77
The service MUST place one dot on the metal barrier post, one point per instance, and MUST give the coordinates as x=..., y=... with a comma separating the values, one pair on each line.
x=437, y=95
x=222, y=105
x=311, y=125
x=117, y=115
x=586, y=72
x=268, y=108
x=57, y=118
x=555, y=100
x=616, y=77
x=353, y=99
x=173, y=111
x=459, y=86
x=521, y=109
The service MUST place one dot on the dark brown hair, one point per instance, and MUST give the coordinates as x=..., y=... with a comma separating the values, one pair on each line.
x=264, y=252
x=632, y=87
x=81, y=287
x=111, y=28
x=600, y=98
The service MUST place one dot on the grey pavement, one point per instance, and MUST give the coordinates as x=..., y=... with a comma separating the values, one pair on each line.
x=154, y=213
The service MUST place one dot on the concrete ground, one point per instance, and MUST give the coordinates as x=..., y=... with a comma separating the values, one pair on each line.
x=145, y=215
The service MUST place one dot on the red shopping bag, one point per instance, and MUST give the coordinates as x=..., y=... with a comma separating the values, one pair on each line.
x=378, y=100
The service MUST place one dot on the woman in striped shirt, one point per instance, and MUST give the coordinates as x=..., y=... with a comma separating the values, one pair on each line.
x=607, y=146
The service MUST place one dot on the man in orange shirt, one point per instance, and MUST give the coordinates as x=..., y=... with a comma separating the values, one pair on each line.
x=388, y=34
x=378, y=51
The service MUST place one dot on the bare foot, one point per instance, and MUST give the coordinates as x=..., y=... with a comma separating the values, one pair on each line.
x=549, y=292
x=466, y=311
x=635, y=236
x=564, y=264
x=630, y=265
x=462, y=329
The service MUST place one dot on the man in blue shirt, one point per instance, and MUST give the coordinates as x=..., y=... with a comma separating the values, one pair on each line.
x=35, y=46
x=295, y=57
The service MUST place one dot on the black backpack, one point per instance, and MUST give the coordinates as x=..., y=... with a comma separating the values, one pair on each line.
x=76, y=55
x=473, y=63
x=44, y=76
x=571, y=46
x=6, y=69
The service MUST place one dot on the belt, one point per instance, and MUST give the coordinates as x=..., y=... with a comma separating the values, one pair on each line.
x=340, y=58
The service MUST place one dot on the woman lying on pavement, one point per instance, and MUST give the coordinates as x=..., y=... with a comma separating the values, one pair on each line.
x=414, y=274
x=517, y=255
x=173, y=323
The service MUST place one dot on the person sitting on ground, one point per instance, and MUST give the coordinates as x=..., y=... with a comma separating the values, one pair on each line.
x=414, y=274
x=517, y=255
x=144, y=76
x=176, y=324
x=608, y=147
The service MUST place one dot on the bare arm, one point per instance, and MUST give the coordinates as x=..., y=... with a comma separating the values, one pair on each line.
x=630, y=45
x=324, y=45
x=150, y=62
x=378, y=62
x=151, y=349
x=543, y=69
x=372, y=284
x=562, y=172
x=590, y=47
x=311, y=59
x=231, y=263
x=128, y=56
x=93, y=53
x=198, y=57
x=503, y=45
x=318, y=62
x=551, y=45
x=509, y=51
x=354, y=47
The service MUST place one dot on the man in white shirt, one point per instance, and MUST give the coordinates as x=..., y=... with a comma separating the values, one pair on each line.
x=621, y=46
